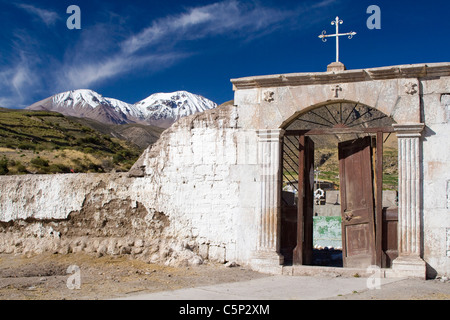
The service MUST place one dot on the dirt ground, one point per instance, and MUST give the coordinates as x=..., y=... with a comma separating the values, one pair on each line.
x=51, y=277
x=46, y=277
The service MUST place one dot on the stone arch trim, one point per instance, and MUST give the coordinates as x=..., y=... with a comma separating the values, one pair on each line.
x=291, y=119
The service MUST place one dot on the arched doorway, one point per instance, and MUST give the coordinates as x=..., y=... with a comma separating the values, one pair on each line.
x=334, y=179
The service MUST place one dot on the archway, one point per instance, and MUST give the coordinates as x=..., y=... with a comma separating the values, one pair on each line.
x=333, y=158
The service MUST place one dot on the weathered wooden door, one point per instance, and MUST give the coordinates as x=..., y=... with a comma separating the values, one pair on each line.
x=304, y=249
x=357, y=203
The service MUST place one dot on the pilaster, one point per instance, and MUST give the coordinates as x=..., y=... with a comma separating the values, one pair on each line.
x=409, y=261
x=266, y=258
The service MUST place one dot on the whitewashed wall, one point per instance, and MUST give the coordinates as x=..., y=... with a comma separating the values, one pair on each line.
x=436, y=175
x=206, y=171
x=202, y=174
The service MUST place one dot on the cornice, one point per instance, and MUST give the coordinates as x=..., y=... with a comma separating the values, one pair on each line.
x=358, y=75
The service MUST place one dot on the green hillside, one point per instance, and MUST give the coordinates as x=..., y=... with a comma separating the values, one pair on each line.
x=48, y=142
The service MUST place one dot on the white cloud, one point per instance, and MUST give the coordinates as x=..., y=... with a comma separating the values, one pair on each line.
x=47, y=16
x=84, y=75
x=16, y=82
x=220, y=18
x=155, y=45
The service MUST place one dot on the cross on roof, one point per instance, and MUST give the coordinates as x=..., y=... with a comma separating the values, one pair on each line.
x=324, y=36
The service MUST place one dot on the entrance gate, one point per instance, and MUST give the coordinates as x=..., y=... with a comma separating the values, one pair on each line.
x=361, y=184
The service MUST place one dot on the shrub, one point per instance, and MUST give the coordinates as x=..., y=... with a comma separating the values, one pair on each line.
x=89, y=140
x=26, y=146
x=21, y=168
x=59, y=168
x=4, y=166
x=117, y=158
x=38, y=162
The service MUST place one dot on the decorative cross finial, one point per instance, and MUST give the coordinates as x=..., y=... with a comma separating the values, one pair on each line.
x=336, y=22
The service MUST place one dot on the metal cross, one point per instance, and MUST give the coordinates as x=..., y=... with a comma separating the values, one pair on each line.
x=324, y=36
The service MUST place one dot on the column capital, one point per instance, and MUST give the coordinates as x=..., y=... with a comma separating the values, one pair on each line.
x=409, y=130
x=270, y=135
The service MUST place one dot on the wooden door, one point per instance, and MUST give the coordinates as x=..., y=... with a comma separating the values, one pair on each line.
x=304, y=249
x=357, y=203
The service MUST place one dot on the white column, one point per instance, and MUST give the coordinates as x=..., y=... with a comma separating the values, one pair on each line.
x=409, y=261
x=266, y=257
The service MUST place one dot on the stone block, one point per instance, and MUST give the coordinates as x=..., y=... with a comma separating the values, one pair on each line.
x=203, y=250
x=247, y=151
x=445, y=103
x=433, y=86
x=448, y=194
x=448, y=241
x=249, y=193
x=217, y=253
x=249, y=96
x=409, y=266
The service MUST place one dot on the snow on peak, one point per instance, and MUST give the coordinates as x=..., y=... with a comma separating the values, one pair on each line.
x=159, y=108
x=84, y=97
x=173, y=105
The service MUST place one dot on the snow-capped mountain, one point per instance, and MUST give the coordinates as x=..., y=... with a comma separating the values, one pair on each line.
x=159, y=109
x=166, y=108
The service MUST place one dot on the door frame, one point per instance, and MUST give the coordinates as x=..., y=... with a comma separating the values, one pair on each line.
x=302, y=253
x=378, y=180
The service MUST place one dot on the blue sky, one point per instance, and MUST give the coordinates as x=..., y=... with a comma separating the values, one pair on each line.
x=130, y=49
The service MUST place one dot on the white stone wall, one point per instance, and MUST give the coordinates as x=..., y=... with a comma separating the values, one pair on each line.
x=436, y=175
x=202, y=174
x=206, y=171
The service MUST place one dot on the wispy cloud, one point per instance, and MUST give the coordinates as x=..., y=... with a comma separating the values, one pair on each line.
x=16, y=80
x=85, y=75
x=156, y=46
x=47, y=16
x=221, y=18
x=100, y=53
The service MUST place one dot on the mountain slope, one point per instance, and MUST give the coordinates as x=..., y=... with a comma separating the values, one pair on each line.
x=49, y=142
x=160, y=109
x=139, y=134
